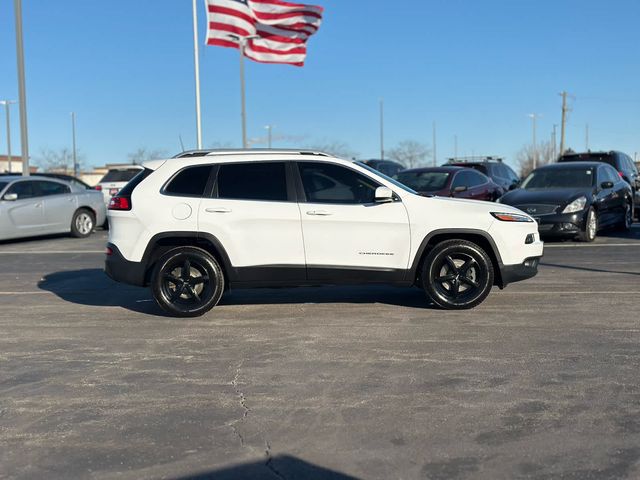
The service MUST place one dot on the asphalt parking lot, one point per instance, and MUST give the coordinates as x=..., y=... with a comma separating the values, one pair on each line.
x=542, y=381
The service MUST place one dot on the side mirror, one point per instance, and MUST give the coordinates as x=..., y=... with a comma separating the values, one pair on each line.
x=11, y=197
x=514, y=185
x=605, y=185
x=384, y=194
x=460, y=189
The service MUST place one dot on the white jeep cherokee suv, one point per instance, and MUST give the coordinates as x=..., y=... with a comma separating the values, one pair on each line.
x=193, y=226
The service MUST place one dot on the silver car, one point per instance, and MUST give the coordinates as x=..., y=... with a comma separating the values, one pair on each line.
x=31, y=206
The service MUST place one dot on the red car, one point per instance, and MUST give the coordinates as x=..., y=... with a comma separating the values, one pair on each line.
x=456, y=182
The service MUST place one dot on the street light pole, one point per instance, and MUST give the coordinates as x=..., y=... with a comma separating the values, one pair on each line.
x=381, y=129
x=534, y=117
x=7, y=107
x=269, y=129
x=22, y=93
x=73, y=136
x=196, y=58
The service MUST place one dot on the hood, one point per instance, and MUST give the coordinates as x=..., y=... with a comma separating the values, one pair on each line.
x=478, y=206
x=551, y=196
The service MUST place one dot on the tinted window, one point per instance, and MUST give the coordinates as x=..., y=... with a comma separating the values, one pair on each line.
x=560, y=178
x=190, y=182
x=476, y=179
x=51, y=188
x=120, y=175
x=589, y=157
x=330, y=183
x=253, y=181
x=2, y=185
x=608, y=174
x=23, y=189
x=424, y=181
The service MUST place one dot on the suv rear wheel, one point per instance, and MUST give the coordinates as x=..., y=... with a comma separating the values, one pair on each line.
x=457, y=274
x=187, y=282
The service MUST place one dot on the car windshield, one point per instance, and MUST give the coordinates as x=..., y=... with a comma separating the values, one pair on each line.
x=559, y=178
x=424, y=181
x=387, y=178
x=120, y=175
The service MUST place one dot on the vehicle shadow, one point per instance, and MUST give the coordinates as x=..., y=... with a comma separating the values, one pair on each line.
x=587, y=269
x=281, y=466
x=92, y=287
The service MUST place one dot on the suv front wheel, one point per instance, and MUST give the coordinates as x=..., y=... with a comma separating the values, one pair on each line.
x=187, y=282
x=457, y=274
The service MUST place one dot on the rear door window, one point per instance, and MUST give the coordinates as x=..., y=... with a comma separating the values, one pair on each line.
x=266, y=181
x=50, y=188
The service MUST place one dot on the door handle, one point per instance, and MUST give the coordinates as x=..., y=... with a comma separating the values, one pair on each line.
x=218, y=210
x=320, y=213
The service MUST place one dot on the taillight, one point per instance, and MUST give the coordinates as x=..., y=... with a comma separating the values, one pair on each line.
x=119, y=203
x=108, y=251
x=98, y=188
x=621, y=174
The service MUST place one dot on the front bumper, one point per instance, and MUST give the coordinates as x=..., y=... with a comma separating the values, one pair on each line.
x=122, y=270
x=519, y=272
x=561, y=224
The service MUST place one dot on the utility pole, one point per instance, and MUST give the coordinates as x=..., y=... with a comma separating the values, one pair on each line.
x=455, y=146
x=534, y=117
x=381, y=129
x=196, y=59
x=73, y=136
x=7, y=107
x=563, y=126
x=435, y=155
x=554, y=142
x=269, y=137
x=22, y=91
x=586, y=137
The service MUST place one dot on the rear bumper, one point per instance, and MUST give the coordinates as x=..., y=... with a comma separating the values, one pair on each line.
x=122, y=270
x=519, y=272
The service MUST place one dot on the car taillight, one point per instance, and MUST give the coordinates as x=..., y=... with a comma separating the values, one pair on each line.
x=119, y=203
x=98, y=188
x=108, y=251
x=621, y=174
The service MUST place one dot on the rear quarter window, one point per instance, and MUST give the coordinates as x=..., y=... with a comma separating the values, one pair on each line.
x=190, y=182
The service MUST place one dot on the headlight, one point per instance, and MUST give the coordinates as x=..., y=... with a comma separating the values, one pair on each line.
x=511, y=217
x=575, y=206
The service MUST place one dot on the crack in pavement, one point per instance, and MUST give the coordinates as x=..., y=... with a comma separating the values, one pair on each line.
x=269, y=462
x=243, y=404
x=245, y=413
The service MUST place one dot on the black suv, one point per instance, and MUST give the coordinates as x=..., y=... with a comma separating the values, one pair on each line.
x=387, y=167
x=492, y=167
x=618, y=160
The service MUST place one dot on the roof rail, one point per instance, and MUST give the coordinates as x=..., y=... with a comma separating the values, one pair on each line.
x=475, y=159
x=249, y=151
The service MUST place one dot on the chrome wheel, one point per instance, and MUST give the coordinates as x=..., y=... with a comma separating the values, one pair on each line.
x=84, y=223
x=592, y=225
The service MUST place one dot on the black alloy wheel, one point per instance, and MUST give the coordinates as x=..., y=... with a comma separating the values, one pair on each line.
x=627, y=220
x=457, y=274
x=187, y=282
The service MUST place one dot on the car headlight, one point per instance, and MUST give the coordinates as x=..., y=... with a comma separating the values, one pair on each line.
x=511, y=217
x=575, y=206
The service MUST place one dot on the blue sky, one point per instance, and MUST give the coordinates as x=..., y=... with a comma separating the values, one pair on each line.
x=476, y=67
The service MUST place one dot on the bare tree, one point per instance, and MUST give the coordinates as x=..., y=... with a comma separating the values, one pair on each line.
x=410, y=153
x=542, y=153
x=336, y=148
x=59, y=161
x=143, y=154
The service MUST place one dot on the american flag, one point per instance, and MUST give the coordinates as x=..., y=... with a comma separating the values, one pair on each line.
x=281, y=29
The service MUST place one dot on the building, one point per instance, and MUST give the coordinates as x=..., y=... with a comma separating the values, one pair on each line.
x=16, y=165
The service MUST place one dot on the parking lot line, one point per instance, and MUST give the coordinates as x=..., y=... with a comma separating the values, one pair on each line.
x=47, y=252
x=637, y=244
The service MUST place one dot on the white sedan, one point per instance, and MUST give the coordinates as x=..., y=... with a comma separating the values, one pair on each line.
x=31, y=206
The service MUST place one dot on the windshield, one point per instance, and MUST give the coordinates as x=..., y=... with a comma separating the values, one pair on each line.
x=388, y=179
x=120, y=175
x=559, y=178
x=424, y=181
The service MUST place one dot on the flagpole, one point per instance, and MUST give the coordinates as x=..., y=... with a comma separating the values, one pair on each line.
x=22, y=91
x=196, y=58
x=243, y=111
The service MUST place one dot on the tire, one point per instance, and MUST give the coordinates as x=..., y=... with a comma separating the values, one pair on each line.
x=82, y=223
x=187, y=282
x=627, y=221
x=590, y=227
x=457, y=275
